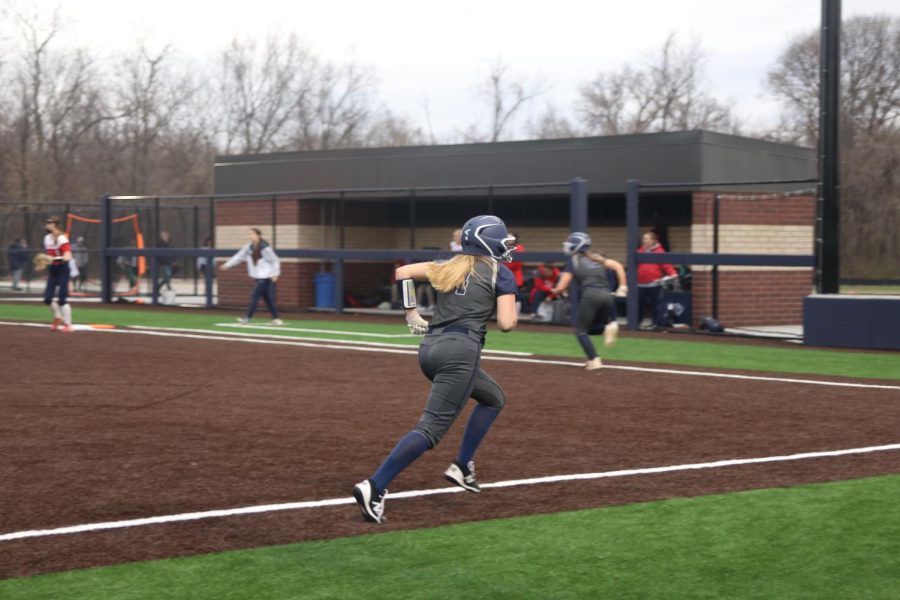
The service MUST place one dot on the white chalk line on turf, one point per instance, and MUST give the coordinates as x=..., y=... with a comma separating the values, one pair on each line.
x=266, y=508
x=304, y=330
x=540, y=361
x=308, y=339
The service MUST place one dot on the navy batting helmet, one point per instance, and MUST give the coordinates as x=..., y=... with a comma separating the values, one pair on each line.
x=576, y=242
x=486, y=235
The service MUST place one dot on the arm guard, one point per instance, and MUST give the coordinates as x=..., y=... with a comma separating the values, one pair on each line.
x=408, y=288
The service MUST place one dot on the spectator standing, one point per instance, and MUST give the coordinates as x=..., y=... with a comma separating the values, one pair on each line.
x=82, y=257
x=166, y=263
x=17, y=256
x=265, y=268
x=650, y=278
x=202, y=261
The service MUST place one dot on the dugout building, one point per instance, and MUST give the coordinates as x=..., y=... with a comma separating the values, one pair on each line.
x=400, y=211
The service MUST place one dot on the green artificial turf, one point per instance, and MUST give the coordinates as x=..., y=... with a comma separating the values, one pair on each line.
x=721, y=355
x=837, y=540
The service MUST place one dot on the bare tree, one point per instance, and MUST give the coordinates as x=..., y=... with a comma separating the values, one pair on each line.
x=259, y=91
x=870, y=133
x=552, y=125
x=335, y=106
x=667, y=93
x=505, y=97
x=870, y=79
x=59, y=104
x=392, y=130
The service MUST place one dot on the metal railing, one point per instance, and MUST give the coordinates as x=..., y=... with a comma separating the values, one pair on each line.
x=576, y=190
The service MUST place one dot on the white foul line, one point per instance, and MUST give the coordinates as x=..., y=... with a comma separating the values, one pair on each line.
x=265, y=508
x=303, y=330
x=307, y=339
x=284, y=341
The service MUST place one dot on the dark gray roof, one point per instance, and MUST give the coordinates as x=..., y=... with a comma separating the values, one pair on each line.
x=606, y=162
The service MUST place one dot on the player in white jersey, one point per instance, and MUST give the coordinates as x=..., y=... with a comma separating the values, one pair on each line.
x=57, y=247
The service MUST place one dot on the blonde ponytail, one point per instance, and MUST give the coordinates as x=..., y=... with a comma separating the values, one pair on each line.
x=447, y=276
x=597, y=258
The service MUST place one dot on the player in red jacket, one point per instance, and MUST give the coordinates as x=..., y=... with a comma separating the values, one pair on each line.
x=516, y=266
x=650, y=277
x=544, y=280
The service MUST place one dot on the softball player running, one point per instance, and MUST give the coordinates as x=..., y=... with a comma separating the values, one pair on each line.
x=596, y=309
x=470, y=288
x=58, y=252
x=263, y=266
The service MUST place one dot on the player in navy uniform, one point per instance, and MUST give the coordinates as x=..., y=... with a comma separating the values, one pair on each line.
x=58, y=248
x=596, y=308
x=470, y=288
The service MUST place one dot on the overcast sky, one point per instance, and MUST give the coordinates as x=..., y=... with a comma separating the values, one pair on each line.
x=439, y=51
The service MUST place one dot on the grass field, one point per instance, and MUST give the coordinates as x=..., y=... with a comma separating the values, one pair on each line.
x=831, y=540
x=837, y=540
x=787, y=359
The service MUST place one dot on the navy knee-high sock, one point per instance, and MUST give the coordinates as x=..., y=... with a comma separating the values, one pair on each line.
x=479, y=423
x=410, y=447
x=587, y=345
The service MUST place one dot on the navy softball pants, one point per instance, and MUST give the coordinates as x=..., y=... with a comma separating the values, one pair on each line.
x=265, y=289
x=58, y=278
x=451, y=361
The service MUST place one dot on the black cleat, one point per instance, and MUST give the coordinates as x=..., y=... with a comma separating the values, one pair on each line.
x=463, y=476
x=370, y=503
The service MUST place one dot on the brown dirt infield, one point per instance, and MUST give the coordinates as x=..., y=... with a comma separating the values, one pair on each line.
x=129, y=426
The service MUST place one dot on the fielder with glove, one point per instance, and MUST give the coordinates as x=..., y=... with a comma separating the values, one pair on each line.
x=55, y=260
x=470, y=288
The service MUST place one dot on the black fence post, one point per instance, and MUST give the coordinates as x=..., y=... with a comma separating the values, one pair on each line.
x=341, y=215
x=715, y=249
x=578, y=205
x=154, y=279
x=339, y=286
x=632, y=218
x=828, y=274
x=196, y=211
x=274, y=222
x=105, y=244
x=208, y=276
x=412, y=219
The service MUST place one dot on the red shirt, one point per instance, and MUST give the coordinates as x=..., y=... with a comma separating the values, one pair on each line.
x=544, y=281
x=56, y=247
x=516, y=266
x=648, y=272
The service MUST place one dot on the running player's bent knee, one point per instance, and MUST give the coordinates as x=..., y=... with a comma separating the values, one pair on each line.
x=432, y=432
x=494, y=400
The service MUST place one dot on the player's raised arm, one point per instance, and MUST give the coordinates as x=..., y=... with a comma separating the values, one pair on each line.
x=416, y=271
x=619, y=270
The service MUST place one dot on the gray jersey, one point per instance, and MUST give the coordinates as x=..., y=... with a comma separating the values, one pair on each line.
x=586, y=271
x=474, y=302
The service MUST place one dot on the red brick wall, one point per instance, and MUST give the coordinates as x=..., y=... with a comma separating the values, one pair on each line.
x=296, y=287
x=760, y=296
x=752, y=297
x=259, y=212
x=749, y=208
